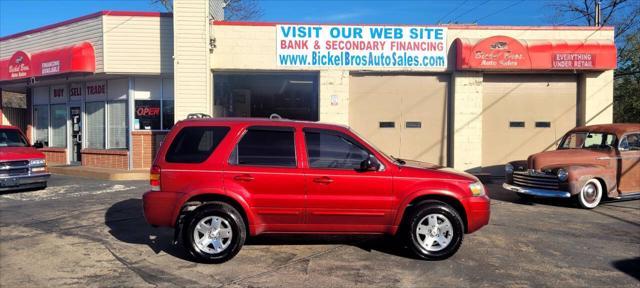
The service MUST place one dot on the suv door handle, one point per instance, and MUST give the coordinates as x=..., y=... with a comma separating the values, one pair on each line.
x=243, y=177
x=323, y=180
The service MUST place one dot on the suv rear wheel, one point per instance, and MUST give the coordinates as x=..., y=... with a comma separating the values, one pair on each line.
x=214, y=233
x=435, y=230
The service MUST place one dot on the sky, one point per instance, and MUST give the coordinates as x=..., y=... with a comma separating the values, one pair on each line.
x=20, y=15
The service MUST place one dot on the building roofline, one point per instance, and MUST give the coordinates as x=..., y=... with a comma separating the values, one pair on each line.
x=85, y=17
x=450, y=26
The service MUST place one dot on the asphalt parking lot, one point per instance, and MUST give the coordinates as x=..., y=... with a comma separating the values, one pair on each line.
x=81, y=232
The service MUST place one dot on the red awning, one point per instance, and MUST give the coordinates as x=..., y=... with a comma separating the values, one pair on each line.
x=504, y=53
x=78, y=58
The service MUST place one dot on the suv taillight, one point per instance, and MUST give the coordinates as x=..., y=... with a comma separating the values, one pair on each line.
x=154, y=178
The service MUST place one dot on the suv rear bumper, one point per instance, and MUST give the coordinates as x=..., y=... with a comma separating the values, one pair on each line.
x=158, y=207
x=23, y=181
x=478, y=212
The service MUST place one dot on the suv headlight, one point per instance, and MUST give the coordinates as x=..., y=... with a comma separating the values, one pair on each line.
x=508, y=168
x=563, y=175
x=477, y=189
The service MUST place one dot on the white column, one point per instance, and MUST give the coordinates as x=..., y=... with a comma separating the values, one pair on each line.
x=467, y=121
x=192, y=75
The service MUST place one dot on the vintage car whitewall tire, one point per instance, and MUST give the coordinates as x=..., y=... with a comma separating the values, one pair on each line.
x=590, y=194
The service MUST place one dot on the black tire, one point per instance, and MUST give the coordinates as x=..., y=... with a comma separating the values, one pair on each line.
x=224, y=211
x=419, y=213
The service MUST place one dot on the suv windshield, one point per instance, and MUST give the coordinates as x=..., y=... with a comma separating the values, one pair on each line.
x=587, y=140
x=12, y=138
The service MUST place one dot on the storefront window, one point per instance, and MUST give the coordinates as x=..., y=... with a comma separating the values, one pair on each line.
x=153, y=104
x=117, y=124
x=290, y=95
x=41, y=118
x=95, y=125
x=58, y=126
x=167, y=114
x=147, y=114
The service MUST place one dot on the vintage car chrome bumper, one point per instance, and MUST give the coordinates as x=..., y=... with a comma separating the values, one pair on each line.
x=537, y=192
x=23, y=181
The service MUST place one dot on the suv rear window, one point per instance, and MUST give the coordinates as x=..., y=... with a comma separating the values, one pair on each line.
x=195, y=144
x=265, y=147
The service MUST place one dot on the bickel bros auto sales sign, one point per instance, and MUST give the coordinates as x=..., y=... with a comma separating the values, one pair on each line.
x=361, y=46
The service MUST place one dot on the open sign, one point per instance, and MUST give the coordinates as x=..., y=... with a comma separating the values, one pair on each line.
x=147, y=111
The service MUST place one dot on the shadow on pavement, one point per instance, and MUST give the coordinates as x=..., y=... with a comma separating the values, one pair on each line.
x=381, y=243
x=629, y=266
x=126, y=223
x=21, y=190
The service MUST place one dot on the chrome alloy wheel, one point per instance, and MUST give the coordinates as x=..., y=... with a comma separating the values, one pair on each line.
x=212, y=234
x=434, y=232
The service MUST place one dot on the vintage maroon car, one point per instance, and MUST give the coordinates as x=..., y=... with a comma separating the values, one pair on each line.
x=589, y=163
x=22, y=166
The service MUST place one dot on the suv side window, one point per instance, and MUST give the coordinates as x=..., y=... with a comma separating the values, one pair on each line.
x=630, y=142
x=266, y=147
x=195, y=144
x=331, y=150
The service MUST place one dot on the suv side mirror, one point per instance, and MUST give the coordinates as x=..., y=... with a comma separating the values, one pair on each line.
x=369, y=164
x=38, y=145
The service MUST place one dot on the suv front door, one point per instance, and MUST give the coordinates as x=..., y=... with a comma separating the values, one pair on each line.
x=263, y=169
x=340, y=197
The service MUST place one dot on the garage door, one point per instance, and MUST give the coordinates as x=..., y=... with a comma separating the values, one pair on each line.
x=403, y=115
x=524, y=114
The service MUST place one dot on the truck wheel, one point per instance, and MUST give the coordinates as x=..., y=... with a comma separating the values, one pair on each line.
x=590, y=194
x=435, y=230
x=214, y=233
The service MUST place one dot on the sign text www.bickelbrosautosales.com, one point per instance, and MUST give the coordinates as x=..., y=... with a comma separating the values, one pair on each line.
x=361, y=46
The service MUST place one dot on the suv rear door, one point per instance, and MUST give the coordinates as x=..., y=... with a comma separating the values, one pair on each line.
x=263, y=169
x=189, y=162
x=341, y=198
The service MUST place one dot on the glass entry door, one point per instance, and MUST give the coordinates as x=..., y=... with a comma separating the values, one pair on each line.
x=75, y=114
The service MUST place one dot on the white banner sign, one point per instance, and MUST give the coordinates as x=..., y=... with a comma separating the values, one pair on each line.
x=362, y=46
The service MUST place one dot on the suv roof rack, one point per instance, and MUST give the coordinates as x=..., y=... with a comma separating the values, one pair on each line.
x=197, y=115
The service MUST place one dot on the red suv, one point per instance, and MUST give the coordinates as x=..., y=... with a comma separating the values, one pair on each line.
x=217, y=180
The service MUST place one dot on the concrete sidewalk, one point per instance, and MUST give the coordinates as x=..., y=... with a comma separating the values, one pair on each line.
x=101, y=173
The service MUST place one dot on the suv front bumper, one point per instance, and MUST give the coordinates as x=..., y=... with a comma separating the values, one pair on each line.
x=537, y=192
x=23, y=181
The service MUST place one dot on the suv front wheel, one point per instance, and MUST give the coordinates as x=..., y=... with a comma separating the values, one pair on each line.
x=435, y=230
x=214, y=233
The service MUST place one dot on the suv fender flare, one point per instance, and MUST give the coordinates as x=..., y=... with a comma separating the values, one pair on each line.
x=442, y=192
x=219, y=192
